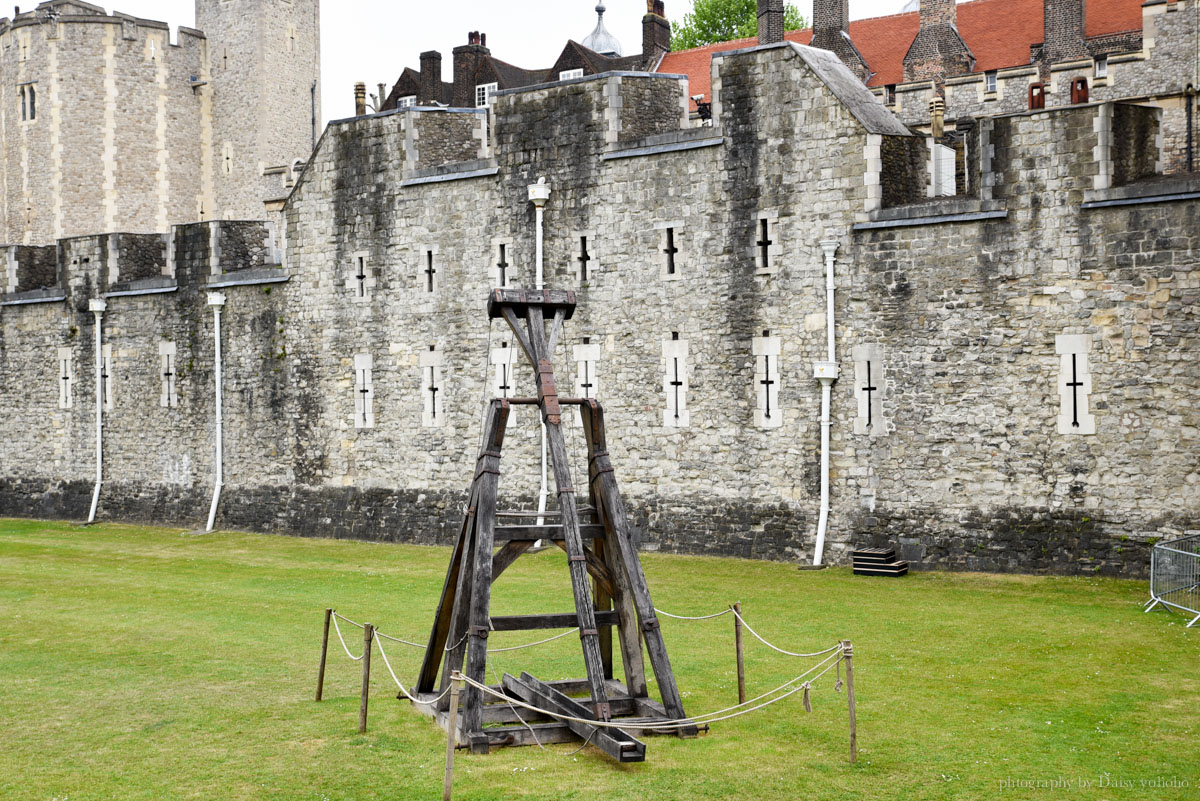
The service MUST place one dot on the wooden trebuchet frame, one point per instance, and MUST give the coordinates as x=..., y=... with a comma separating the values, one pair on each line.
x=609, y=585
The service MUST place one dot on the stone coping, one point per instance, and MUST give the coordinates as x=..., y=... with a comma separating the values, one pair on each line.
x=33, y=296
x=458, y=171
x=145, y=286
x=600, y=76
x=646, y=148
x=935, y=212
x=265, y=275
x=1159, y=190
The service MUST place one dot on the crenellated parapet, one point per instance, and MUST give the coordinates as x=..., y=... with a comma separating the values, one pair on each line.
x=189, y=256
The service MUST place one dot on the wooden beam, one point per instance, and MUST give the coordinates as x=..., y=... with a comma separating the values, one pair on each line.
x=618, y=744
x=597, y=569
x=569, y=620
x=503, y=558
x=627, y=631
x=588, y=531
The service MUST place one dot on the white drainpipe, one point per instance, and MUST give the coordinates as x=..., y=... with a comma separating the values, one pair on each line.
x=98, y=306
x=826, y=372
x=539, y=193
x=216, y=301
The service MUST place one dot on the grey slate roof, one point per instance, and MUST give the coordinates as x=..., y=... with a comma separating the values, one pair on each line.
x=864, y=105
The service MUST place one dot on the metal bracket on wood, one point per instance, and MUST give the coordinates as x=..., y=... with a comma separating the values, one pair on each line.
x=479, y=631
x=650, y=624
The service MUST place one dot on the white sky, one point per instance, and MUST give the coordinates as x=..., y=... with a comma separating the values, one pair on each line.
x=373, y=40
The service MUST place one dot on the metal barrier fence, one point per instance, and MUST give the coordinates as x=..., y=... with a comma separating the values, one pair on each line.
x=1175, y=576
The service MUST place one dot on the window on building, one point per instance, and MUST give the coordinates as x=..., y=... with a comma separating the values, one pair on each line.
x=66, y=378
x=406, y=101
x=431, y=387
x=889, y=94
x=167, y=398
x=484, y=93
x=364, y=391
x=567, y=75
x=28, y=102
x=990, y=81
x=675, y=382
x=1102, y=67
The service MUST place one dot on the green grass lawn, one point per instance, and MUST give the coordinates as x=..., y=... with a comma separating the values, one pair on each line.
x=137, y=663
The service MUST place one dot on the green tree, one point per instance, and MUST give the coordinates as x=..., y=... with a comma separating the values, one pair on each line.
x=722, y=20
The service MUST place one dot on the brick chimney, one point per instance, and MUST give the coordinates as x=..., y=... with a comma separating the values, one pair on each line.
x=938, y=52
x=1064, y=31
x=466, y=63
x=431, y=78
x=770, y=21
x=656, y=34
x=831, y=31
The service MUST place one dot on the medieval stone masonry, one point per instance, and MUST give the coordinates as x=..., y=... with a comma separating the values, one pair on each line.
x=1016, y=374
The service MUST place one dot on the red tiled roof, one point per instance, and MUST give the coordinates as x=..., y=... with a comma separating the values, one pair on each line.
x=999, y=33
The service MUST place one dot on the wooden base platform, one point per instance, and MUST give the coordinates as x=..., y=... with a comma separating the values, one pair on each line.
x=506, y=724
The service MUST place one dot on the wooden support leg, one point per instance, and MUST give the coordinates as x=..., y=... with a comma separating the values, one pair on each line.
x=617, y=519
x=488, y=476
x=627, y=630
x=577, y=559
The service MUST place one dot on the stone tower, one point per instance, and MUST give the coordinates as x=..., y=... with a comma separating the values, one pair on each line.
x=264, y=64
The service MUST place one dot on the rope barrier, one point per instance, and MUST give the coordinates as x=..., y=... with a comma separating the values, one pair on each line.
x=388, y=664
x=402, y=642
x=348, y=620
x=532, y=644
x=776, y=647
x=702, y=617
x=338, y=629
x=448, y=648
x=705, y=719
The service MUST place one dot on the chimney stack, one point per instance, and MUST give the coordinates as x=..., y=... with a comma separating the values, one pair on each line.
x=467, y=59
x=431, y=78
x=937, y=118
x=1064, y=31
x=770, y=21
x=938, y=52
x=656, y=34
x=360, y=99
x=831, y=31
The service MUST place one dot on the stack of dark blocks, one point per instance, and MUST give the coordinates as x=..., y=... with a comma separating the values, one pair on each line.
x=878, y=562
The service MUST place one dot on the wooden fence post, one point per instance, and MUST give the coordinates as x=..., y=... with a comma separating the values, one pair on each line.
x=451, y=735
x=368, y=638
x=741, y=664
x=848, y=652
x=324, y=651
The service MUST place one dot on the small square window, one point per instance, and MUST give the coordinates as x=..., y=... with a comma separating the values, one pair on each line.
x=406, y=101
x=1102, y=67
x=990, y=82
x=484, y=93
x=567, y=75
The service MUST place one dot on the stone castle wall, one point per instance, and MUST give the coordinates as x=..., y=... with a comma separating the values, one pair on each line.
x=958, y=314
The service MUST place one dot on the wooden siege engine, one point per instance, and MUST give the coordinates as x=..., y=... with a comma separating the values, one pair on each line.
x=609, y=586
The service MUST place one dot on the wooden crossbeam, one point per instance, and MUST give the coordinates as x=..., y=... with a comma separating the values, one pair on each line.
x=534, y=533
x=556, y=621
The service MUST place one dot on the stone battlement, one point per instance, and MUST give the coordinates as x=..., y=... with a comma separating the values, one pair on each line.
x=192, y=255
